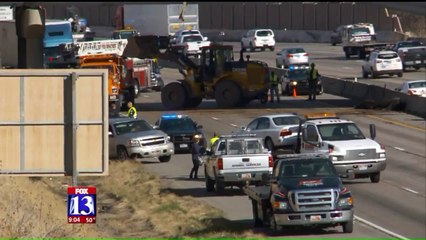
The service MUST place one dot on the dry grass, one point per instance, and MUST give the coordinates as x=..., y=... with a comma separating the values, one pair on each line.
x=131, y=203
x=412, y=23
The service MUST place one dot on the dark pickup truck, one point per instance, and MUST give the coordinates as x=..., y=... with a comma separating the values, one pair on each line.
x=412, y=54
x=304, y=190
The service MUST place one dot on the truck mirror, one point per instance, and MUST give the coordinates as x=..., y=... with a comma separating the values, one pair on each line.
x=199, y=126
x=243, y=128
x=110, y=134
x=372, y=131
x=155, y=127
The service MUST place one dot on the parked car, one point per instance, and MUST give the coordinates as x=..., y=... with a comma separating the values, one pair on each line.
x=192, y=43
x=382, y=62
x=277, y=130
x=258, y=38
x=416, y=87
x=135, y=138
x=336, y=35
x=298, y=77
x=291, y=56
x=181, y=129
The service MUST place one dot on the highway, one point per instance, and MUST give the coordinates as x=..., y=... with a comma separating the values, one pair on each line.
x=395, y=207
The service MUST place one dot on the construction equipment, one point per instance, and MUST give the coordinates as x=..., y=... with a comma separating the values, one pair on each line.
x=216, y=76
x=127, y=76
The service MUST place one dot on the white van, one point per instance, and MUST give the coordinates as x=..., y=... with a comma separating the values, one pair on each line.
x=258, y=38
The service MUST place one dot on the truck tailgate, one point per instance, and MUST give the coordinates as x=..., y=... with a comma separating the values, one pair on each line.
x=246, y=162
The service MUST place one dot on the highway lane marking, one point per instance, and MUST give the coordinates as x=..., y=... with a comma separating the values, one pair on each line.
x=217, y=119
x=410, y=190
x=347, y=67
x=400, y=149
x=396, y=123
x=380, y=228
x=233, y=125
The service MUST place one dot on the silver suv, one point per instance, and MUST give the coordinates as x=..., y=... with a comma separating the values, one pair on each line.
x=137, y=138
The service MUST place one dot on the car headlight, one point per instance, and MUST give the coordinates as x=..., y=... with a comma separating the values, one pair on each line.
x=382, y=155
x=294, y=83
x=345, y=202
x=280, y=205
x=134, y=143
x=167, y=139
x=198, y=136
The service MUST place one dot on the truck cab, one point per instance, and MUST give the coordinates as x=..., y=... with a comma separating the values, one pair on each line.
x=353, y=155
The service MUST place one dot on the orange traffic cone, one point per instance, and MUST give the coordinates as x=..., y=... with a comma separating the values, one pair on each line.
x=294, y=92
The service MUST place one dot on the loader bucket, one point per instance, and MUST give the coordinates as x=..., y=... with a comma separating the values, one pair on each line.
x=142, y=47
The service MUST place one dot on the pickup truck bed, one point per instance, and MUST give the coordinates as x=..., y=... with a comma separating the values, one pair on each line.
x=259, y=193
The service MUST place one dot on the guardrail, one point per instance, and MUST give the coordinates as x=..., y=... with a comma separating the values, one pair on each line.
x=371, y=96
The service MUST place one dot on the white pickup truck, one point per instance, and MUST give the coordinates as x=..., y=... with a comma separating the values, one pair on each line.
x=352, y=154
x=192, y=43
x=236, y=160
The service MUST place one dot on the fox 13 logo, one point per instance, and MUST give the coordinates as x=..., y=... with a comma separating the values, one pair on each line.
x=81, y=205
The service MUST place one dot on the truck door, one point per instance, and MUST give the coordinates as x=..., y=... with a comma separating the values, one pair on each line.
x=310, y=139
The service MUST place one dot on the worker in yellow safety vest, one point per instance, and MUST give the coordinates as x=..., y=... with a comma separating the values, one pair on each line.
x=213, y=139
x=131, y=113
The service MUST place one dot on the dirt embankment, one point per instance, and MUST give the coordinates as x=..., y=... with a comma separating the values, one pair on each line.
x=131, y=202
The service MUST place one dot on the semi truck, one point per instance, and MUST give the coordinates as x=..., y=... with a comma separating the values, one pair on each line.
x=157, y=19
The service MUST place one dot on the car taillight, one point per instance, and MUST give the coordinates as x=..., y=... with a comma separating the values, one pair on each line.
x=271, y=161
x=330, y=148
x=285, y=132
x=411, y=92
x=50, y=59
x=220, y=163
x=378, y=61
x=305, y=54
x=289, y=55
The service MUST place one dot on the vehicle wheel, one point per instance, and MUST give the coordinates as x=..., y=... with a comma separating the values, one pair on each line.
x=400, y=74
x=404, y=68
x=174, y=96
x=375, y=177
x=220, y=187
x=272, y=49
x=242, y=47
x=164, y=158
x=269, y=144
x=272, y=223
x=209, y=182
x=263, y=49
x=373, y=74
x=364, y=73
x=333, y=44
x=347, y=55
x=251, y=47
x=348, y=227
x=122, y=153
x=227, y=94
x=416, y=68
x=361, y=54
x=257, y=221
x=136, y=88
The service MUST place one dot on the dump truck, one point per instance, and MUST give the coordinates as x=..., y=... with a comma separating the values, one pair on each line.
x=216, y=76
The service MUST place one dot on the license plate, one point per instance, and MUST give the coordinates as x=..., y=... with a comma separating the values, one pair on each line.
x=316, y=218
x=418, y=62
x=246, y=176
x=156, y=151
x=183, y=145
x=363, y=167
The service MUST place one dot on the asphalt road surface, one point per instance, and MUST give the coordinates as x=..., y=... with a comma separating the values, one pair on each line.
x=394, y=207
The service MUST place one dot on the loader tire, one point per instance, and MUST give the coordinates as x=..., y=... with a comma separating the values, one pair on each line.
x=227, y=94
x=193, y=102
x=174, y=96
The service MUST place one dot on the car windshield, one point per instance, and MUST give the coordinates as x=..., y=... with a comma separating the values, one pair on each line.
x=387, y=56
x=195, y=38
x=132, y=127
x=296, y=50
x=288, y=120
x=340, y=132
x=265, y=33
x=307, y=168
x=417, y=84
x=298, y=74
x=178, y=124
x=190, y=32
x=356, y=31
x=410, y=44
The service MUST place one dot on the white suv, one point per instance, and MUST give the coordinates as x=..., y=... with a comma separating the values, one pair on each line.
x=258, y=38
x=382, y=62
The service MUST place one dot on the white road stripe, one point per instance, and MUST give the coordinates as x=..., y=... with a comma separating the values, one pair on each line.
x=233, y=125
x=400, y=149
x=380, y=228
x=215, y=118
x=347, y=67
x=410, y=190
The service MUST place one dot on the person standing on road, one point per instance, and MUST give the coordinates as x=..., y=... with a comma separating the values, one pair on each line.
x=113, y=111
x=196, y=152
x=274, y=87
x=132, y=113
x=313, y=82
